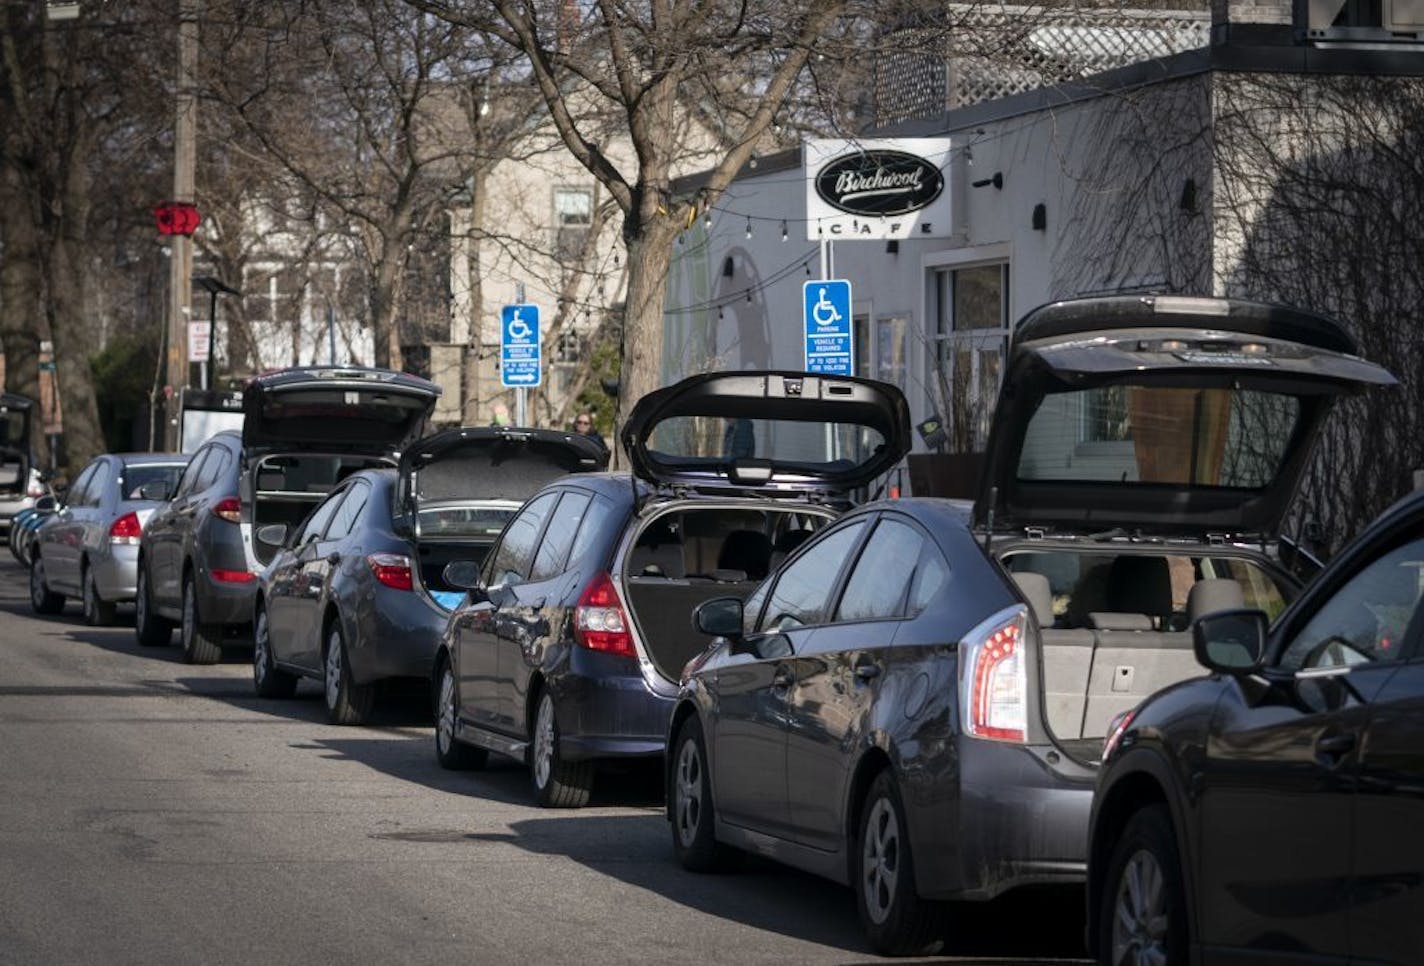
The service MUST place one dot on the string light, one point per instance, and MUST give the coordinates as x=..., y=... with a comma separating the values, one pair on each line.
x=749, y=296
x=783, y=229
x=707, y=218
x=719, y=313
x=749, y=226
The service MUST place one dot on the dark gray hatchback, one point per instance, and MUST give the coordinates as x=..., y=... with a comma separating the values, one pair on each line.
x=569, y=650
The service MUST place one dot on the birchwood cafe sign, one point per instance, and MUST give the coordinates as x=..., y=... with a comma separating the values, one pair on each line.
x=876, y=189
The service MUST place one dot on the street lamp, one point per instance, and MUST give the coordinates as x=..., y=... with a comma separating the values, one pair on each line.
x=213, y=287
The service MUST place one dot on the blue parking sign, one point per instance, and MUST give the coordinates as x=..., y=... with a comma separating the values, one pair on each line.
x=520, y=361
x=830, y=345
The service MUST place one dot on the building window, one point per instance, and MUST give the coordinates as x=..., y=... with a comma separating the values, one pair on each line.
x=573, y=220
x=970, y=337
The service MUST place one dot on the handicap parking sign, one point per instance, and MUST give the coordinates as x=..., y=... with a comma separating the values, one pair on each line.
x=520, y=361
x=829, y=342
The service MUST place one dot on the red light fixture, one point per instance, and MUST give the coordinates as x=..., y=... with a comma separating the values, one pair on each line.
x=176, y=217
x=600, y=623
x=995, y=686
x=233, y=576
x=126, y=530
x=392, y=570
x=229, y=509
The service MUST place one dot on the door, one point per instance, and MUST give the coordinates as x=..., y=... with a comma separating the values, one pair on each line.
x=749, y=759
x=167, y=532
x=1278, y=804
x=838, y=676
x=92, y=520
x=1387, y=910
x=303, y=616
x=481, y=628
x=62, y=535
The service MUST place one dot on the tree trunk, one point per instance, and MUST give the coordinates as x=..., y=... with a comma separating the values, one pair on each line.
x=650, y=248
x=20, y=311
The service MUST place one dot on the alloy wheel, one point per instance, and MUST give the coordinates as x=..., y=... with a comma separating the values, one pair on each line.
x=544, y=742
x=1140, y=922
x=260, y=647
x=91, y=596
x=333, y=670
x=37, y=583
x=445, y=719
x=687, y=805
x=880, y=860
x=190, y=613
x=141, y=599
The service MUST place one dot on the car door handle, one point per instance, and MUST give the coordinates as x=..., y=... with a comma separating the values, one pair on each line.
x=783, y=678
x=867, y=671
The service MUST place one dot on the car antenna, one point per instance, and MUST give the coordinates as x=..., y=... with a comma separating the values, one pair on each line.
x=989, y=517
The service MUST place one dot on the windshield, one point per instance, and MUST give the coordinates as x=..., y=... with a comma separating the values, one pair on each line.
x=456, y=521
x=1153, y=434
x=689, y=441
x=137, y=477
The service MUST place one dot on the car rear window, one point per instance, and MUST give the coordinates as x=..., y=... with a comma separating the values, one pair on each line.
x=137, y=477
x=1196, y=437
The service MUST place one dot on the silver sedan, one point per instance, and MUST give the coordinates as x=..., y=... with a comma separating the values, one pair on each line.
x=89, y=547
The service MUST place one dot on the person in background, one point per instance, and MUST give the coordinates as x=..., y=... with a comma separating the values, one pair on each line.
x=583, y=425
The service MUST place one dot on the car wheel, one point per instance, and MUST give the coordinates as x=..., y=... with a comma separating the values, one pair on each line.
x=449, y=751
x=347, y=703
x=1143, y=913
x=150, y=629
x=202, y=643
x=557, y=783
x=97, y=611
x=42, y=599
x=268, y=679
x=896, y=920
x=693, y=814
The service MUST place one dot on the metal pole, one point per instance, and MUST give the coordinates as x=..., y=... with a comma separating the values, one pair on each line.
x=521, y=403
x=212, y=330
x=180, y=273
x=330, y=334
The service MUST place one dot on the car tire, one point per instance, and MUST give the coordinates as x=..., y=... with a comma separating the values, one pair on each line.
x=42, y=599
x=896, y=920
x=202, y=643
x=150, y=629
x=268, y=680
x=452, y=753
x=98, y=612
x=1142, y=915
x=557, y=783
x=690, y=794
x=347, y=703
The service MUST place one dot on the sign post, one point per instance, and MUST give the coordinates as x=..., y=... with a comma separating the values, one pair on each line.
x=521, y=363
x=830, y=343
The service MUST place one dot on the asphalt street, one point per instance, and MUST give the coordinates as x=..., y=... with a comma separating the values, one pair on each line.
x=155, y=812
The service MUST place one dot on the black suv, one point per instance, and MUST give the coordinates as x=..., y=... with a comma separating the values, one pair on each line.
x=577, y=629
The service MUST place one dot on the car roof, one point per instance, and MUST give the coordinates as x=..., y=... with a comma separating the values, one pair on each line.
x=149, y=459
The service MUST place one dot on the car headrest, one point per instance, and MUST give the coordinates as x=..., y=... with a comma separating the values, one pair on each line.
x=1214, y=594
x=1112, y=621
x=1039, y=595
x=748, y=551
x=1140, y=585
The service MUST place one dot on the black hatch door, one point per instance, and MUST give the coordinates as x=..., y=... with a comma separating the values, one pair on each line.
x=16, y=412
x=768, y=432
x=442, y=475
x=1171, y=415
x=319, y=409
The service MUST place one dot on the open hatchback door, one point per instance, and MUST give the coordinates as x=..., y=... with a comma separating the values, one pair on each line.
x=772, y=433
x=1168, y=415
x=319, y=409
x=16, y=414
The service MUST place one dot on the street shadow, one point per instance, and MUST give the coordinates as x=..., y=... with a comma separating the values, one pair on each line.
x=397, y=706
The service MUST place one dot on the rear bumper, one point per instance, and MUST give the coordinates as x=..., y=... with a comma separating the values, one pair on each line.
x=393, y=635
x=116, y=575
x=225, y=602
x=606, y=709
x=1015, y=821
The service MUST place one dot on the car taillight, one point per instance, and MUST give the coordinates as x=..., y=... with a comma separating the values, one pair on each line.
x=1116, y=730
x=229, y=509
x=994, y=685
x=126, y=529
x=600, y=623
x=392, y=569
x=233, y=576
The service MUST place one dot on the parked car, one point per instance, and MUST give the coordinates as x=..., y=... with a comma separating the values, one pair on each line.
x=88, y=547
x=1270, y=811
x=916, y=708
x=357, y=594
x=304, y=431
x=569, y=649
x=24, y=525
x=20, y=482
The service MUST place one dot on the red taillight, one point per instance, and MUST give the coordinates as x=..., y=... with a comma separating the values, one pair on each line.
x=233, y=576
x=1116, y=730
x=600, y=623
x=229, y=509
x=392, y=569
x=994, y=686
x=126, y=529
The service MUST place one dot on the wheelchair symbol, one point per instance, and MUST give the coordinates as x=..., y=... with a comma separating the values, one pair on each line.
x=824, y=311
x=518, y=328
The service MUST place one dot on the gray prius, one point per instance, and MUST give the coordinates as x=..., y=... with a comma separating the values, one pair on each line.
x=89, y=548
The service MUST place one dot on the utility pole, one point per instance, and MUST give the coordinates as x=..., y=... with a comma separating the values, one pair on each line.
x=180, y=297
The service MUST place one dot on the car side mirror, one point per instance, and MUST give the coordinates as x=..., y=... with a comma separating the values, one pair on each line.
x=154, y=490
x=46, y=504
x=1231, y=641
x=273, y=534
x=719, y=617
x=464, y=574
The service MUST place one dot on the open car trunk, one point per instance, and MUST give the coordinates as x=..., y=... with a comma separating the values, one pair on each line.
x=15, y=415
x=692, y=554
x=288, y=486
